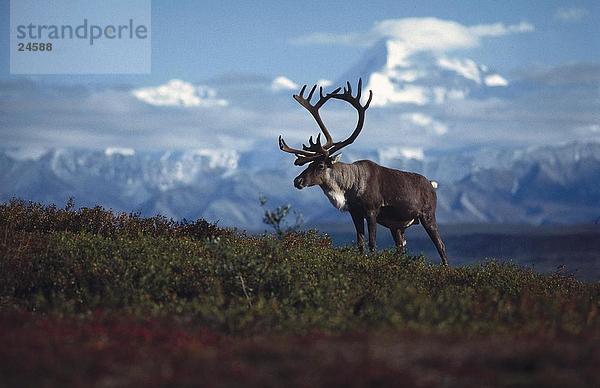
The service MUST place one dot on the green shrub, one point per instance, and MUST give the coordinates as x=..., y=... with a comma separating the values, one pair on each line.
x=18, y=215
x=69, y=261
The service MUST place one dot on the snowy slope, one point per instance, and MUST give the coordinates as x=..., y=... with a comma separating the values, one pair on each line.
x=422, y=78
x=536, y=185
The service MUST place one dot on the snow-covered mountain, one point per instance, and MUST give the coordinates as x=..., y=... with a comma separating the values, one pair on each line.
x=412, y=88
x=532, y=185
x=398, y=76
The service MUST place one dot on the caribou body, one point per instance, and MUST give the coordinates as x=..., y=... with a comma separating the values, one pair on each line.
x=380, y=195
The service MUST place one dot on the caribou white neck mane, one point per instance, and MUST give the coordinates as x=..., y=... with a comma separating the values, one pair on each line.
x=341, y=180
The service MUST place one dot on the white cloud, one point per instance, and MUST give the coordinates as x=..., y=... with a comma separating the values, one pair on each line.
x=396, y=82
x=456, y=94
x=425, y=121
x=465, y=67
x=439, y=94
x=219, y=158
x=388, y=154
x=495, y=80
x=591, y=128
x=470, y=70
x=410, y=75
x=398, y=54
x=413, y=153
x=388, y=93
x=283, y=83
x=27, y=152
x=116, y=118
x=442, y=94
x=179, y=93
x=426, y=34
x=324, y=83
x=500, y=29
x=419, y=34
x=124, y=151
x=327, y=38
x=570, y=15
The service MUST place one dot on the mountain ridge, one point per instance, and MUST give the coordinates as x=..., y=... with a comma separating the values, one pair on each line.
x=536, y=185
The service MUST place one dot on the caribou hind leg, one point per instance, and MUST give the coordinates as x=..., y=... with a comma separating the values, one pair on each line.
x=431, y=227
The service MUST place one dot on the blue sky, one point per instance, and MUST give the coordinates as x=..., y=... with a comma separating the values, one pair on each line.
x=197, y=40
x=227, y=56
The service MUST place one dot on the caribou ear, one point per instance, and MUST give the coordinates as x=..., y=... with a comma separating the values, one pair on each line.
x=336, y=158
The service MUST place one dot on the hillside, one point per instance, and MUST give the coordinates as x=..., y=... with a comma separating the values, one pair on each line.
x=118, y=298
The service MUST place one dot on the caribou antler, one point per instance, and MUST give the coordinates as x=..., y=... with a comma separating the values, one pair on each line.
x=314, y=109
x=302, y=157
x=317, y=150
x=361, y=109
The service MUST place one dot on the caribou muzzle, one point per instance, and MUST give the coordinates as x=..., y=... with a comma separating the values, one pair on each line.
x=299, y=183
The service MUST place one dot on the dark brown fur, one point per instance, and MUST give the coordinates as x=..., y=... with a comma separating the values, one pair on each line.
x=395, y=199
x=380, y=195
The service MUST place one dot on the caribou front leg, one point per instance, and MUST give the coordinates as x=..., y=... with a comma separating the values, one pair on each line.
x=359, y=225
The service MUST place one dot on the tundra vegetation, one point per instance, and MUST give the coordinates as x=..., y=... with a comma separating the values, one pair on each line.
x=89, y=297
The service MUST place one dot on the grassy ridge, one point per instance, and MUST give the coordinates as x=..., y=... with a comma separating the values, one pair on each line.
x=74, y=262
x=92, y=298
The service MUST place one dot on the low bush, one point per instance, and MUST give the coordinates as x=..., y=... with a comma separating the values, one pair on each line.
x=18, y=215
x=77, y=262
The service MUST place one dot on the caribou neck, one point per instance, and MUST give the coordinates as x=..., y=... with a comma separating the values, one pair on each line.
x=341, y=183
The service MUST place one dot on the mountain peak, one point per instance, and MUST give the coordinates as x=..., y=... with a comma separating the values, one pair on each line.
x=399, y=74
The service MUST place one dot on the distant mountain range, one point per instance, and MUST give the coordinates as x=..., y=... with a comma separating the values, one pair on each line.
x=535, y=185
x=553, y=184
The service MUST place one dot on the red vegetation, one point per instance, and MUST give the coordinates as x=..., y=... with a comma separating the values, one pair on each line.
x=108, y=350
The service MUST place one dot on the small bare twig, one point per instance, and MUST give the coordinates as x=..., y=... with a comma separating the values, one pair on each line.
x=244, y=290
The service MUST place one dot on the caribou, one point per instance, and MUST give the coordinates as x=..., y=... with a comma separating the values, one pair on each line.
x=392, y=198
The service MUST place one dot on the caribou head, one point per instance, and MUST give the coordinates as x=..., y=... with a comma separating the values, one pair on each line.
x=323, y=156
